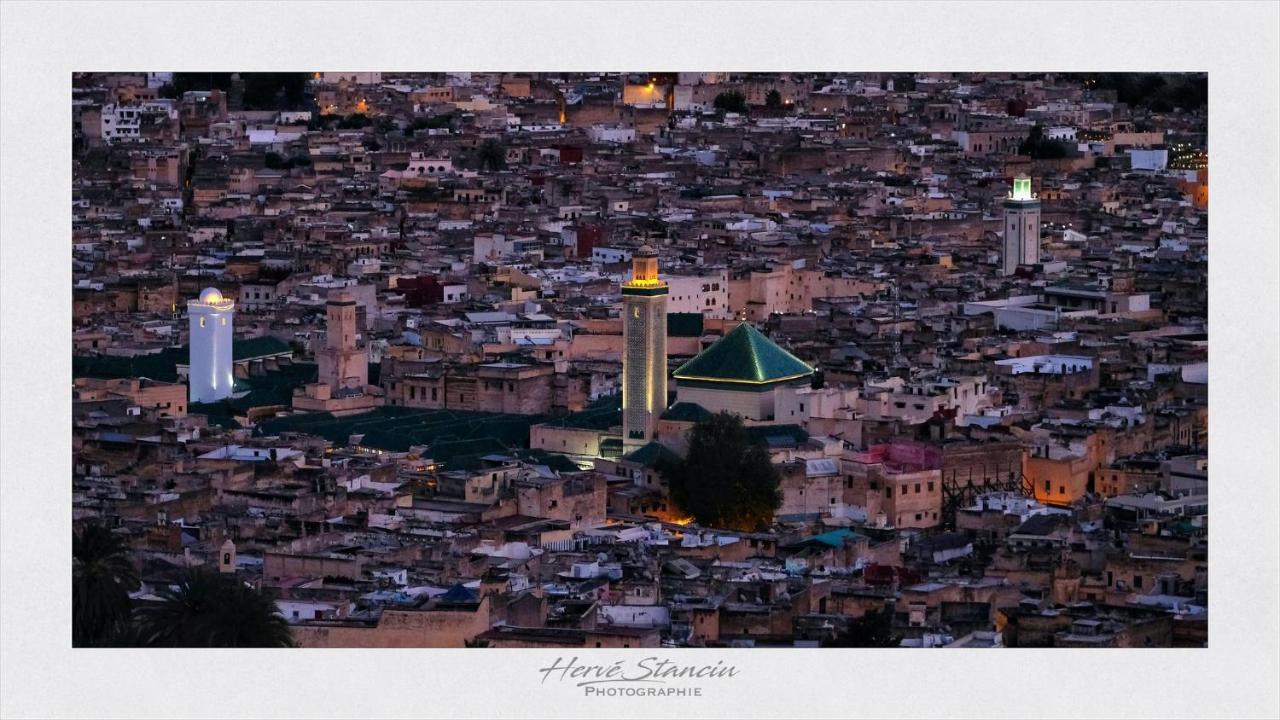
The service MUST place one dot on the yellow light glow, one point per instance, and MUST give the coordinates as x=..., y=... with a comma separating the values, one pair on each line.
x=741, y=382
x=640, y=283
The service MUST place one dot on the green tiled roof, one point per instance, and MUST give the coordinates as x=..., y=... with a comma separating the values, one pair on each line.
x=745, y=355
x=777, y=435
x=650, y=455
x=256, y=347
x=163, y=365
x=686, y=412
x=447, y=432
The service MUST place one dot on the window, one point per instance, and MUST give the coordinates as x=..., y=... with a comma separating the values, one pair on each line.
x=917, y=491
x=930, y=487
x=1137, y=582
x=1047, y=487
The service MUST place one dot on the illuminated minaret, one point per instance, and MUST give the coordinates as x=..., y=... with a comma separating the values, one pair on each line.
x=1021, y=227
x=210, y=375
x=644, y=349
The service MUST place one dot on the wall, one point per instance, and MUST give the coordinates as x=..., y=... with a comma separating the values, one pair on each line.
x=401, y=629
x=748, y=404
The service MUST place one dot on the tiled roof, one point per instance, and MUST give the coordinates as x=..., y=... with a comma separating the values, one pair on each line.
x=686, y=412
x=651, y=454
x=745, y=355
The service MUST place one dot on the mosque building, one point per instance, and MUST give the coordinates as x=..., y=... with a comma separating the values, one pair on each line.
x=741, y=374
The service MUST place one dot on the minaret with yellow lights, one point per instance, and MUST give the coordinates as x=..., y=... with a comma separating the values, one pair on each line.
x=644, y=351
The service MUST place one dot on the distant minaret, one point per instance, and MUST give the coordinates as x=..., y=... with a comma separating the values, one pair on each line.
x=212, y=318
x=342, y=364
x=1021, y=227
x=644, y=353
x=227, y=557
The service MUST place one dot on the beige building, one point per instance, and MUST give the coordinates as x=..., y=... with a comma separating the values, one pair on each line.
x=438, y=625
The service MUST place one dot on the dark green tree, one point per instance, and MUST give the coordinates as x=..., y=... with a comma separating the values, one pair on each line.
x=725, y=480
x=1039, y=147
x=731, y=101
x=773, y=101
x=354, y=121
x=491, y=156
x=209, y=609
x=873, y=630
x=101, y=579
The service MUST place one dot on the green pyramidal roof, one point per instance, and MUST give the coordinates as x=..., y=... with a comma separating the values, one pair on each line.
x=745, y=355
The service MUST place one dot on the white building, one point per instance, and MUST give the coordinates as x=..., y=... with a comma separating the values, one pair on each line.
x=1047, y=364
x=611, y=134
x=706, y=293
x=1150, y=159
x=609, y=255
x=124, y=122
x=212, y=321
x=421, y=165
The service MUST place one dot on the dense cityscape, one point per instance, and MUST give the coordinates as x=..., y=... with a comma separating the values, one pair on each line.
x=623, y=360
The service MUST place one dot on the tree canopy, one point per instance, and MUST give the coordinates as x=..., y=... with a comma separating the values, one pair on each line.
x=101, y=578
x=1038, y=147
x=731, y=101
x=873, y=630
x=209, y=609
x=262, y=90
x=725, y=480
x=491, y=155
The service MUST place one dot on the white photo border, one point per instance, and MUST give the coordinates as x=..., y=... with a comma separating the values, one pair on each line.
x=43, y=43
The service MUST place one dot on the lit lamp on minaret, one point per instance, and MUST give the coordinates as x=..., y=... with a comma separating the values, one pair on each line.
x=210, y=376
x=644, y=353
x=1021, y=227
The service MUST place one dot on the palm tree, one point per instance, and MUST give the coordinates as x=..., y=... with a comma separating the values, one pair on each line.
x=207, y=609
x=101, y=578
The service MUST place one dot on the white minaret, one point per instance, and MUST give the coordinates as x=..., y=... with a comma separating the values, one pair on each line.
x=644, y=350
x=1021, y=227
x=210, y=376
